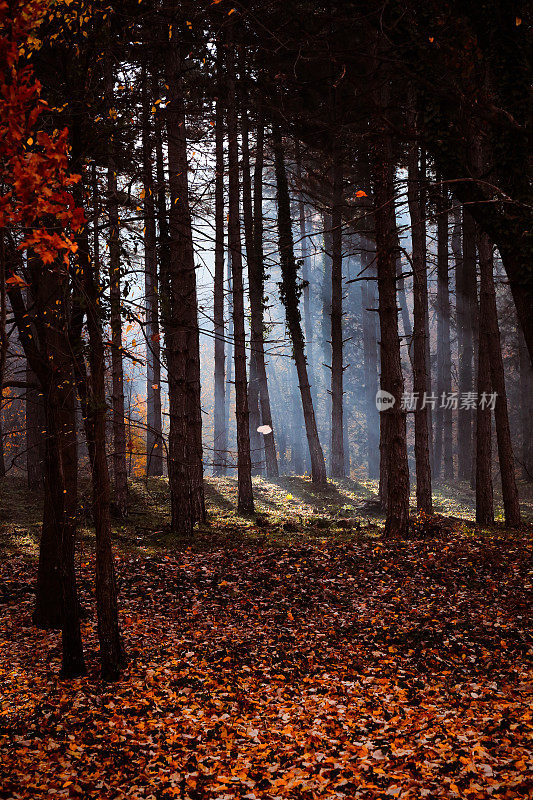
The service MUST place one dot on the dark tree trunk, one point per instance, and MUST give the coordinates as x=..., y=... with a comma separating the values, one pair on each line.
x=337, y=369
x=290, y=299
x=370, y=355
x=505, y=449
x=181, y=321
x=420, y=335
x=56, y=601
x=304, y=246
x=255, y=289
x=258, y=328
x=467, y=266
x=526, y=408
x=484, y=491
x=443, y=415
x=120, y=472
x=35, y=426
x=154, y=437
x=393, y=434
x=220, y=438
x=93, y=395
x=244, y=464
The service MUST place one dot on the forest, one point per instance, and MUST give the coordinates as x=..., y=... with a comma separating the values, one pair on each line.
x=266, y=422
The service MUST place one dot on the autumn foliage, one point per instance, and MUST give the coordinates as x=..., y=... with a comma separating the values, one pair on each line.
x=35, y=200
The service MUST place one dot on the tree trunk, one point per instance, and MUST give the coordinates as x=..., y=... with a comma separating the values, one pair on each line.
x=503, y=435
x=290, y=298
x=467, y=266
x=258, y=327
x=394, y=444
x=304, y=246
x=484, y=491
x=154, y=437
x=93, y=395
x=443, y=415
x=220, y=438
x=255, y=289
x=370, y=355
x=244, y=464
x=420, y=335
x=526, y=408
x=181, y=321
x=117, y=369
x=35, y=426
x=337, y=369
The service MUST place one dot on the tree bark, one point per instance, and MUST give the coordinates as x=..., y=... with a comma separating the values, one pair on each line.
x=258, y=327
x=394, y=439
x=467, y=267
x=337, y=369
x=484, y=490
x=370, y=355
x=117, y=368
x=220, y=438
x=93, y=395
x=503, y=435
x=154, y=435
x=420, y=335
x=290, y=298
x=181, y=321
x=35, y=426
x=244, y=464
x=443, y=415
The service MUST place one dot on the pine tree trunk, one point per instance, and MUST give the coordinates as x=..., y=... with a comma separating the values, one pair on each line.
x=526, y=408
x=244, y=464
x=393, y=435
x=154, y=437
x=220, y=438
x=337, y=369
x=443, y=415
x=290, y=298
x=501, y=415
x=117, y=369
x=420, y=335
x=370, y=356
x=93, y=395
x=304, y=245
x=255, y=287
x=467, y=265
x=484, y=490
x=181, y=321
x=258, y=327
x=35, y=426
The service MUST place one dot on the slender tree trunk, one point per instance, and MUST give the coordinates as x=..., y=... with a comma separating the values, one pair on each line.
x=443, y=416
x=420, y=335
x=484, y=491
x=258, y=327
x=181, y=322
x=290, y=298
x=394, y=440
x=370, y=356
x=35, y=426
x=492, y=332
x=526, y=407
x=244, y=464
x=117, y=368
x=255, y=286
x=154, y=437
x=467, y=265
x=304, y=245
x=337, y=369
x=220, y=440
x=93, y=395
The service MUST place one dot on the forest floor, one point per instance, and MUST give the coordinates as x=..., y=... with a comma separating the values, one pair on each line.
x=294, y=653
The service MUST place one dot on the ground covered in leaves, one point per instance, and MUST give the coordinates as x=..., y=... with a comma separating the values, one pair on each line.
x=270, y=661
